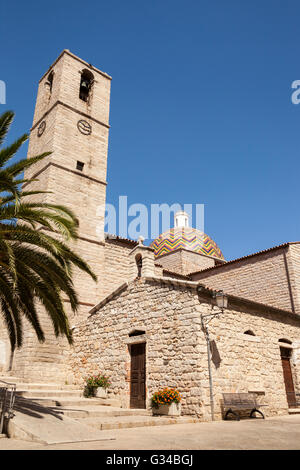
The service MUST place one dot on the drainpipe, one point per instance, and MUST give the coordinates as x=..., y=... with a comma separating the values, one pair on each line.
x=211, y=392
x=221, y=302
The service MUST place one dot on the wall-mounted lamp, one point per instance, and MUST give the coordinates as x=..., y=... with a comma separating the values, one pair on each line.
x=221, y=299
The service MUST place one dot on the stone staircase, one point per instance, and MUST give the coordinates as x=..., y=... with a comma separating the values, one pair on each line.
x=70, y=417
x=53, y=395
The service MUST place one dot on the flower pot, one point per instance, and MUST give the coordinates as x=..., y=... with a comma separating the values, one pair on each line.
x=174, y=409
x=100, y=392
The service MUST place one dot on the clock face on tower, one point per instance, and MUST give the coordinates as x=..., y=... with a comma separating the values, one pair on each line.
x=84, y=127
x=41, y=128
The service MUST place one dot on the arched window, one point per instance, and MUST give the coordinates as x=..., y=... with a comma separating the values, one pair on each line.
x=139, y=264
x=249, y=332
x=284, y=340
x=86, y=82
x=49, y=81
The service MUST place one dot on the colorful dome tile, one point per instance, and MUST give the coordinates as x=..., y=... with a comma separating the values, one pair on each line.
x=188, y=238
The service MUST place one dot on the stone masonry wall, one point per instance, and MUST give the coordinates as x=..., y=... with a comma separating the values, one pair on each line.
x=172, y=330
x=176, y=350
x=184, y=261
x=245, y=363
x=116, y=266
x=48, y=361
x=260, y=278
x=4, y=347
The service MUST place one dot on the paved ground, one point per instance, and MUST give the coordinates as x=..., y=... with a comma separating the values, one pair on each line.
x=273, y=433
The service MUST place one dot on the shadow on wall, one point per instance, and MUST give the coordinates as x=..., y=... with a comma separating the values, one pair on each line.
x=215, y=355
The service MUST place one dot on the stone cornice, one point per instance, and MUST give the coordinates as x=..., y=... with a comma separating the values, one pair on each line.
x=72, y=109
x=61, y=167
x=90, y=66
x=89, y=240
x=103, y=302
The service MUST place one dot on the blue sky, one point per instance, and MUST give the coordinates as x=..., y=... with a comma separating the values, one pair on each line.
x=201, y=107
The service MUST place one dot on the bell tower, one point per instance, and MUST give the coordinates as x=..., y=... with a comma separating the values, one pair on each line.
x=71, y=120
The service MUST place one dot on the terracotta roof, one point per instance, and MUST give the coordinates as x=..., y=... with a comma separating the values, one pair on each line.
x=183, y=276
x=283, y=245
x=109, y=236
x=196, y=285
x=167, y=271
x=189, y=284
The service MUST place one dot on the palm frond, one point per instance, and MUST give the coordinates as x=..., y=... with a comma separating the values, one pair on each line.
x=36, y=263
x=5, y=123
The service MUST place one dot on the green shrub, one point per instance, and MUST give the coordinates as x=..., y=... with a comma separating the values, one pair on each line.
x=95, y=381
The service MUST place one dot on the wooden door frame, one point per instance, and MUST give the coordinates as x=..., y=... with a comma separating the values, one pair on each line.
x=288, y=357
x=132, y=344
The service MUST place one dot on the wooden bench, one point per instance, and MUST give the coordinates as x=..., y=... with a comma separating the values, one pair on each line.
x=234, y=402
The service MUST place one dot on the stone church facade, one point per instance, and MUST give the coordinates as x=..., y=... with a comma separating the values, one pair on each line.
x=141, y=323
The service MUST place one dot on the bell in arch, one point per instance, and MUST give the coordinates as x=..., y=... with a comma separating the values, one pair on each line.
x=85, y=84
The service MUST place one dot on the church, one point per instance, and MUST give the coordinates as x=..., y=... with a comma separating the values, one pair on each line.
x=144, y=324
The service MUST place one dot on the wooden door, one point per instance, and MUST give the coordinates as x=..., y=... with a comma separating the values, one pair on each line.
x=288, y=377
x=137, y=376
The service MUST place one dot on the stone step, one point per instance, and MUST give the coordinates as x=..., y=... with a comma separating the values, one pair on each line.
x=294, y=411
x=11, y=379
x=40, y=393
x=45, y=386
x=101, y=411
x=74, y=402
x=131, y=421
x=47, y=402
x=23, y=382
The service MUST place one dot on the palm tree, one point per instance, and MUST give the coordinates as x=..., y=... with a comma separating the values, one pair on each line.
x=35, y=264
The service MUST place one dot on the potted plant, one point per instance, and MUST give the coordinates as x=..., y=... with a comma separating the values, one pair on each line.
x=166, y=402
x=96, y=386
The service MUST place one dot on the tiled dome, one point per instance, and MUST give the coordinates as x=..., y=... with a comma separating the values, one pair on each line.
x=188, y=238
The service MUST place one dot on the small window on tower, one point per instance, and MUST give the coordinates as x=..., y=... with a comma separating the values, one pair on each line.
x=79, y=166
x=86, y=82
